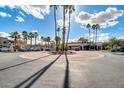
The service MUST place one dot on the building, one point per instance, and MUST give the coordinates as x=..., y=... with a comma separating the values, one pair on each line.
x=5, y=42
x=121, y=42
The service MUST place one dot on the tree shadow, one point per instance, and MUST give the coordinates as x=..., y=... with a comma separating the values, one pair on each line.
x=33, y=78
x=22, y=63
x=66, y=79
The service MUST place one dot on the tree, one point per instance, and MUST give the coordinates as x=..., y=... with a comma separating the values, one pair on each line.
x=88, y=26
x=97, y=28
x=35, y=36
x=42, y=39
x=45, y=40
x=94, y=27
x=25, y=36
x=31, y=35
x=65, y=8
x=55, y=8
x=94, y=33
x=71, y=9
x=58, y=39
x=113, y=42
x=48, y=40
x=16, y=36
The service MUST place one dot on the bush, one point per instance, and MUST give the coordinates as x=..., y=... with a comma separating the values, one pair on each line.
x=113, y=50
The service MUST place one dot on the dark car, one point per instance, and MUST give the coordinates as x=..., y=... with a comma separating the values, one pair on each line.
x=122, y=49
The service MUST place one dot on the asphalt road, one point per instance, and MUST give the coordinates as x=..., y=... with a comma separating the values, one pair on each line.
x=61, y=72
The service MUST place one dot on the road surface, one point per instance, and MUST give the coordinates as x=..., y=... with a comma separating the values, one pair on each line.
x=60, y=71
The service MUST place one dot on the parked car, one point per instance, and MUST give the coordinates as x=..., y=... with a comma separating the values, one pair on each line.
x=122, y=49
x=4, y=49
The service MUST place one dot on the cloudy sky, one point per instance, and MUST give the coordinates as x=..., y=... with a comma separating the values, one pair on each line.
x=40, y=18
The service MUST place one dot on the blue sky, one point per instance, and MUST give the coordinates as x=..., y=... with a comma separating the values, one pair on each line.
x=37, y=18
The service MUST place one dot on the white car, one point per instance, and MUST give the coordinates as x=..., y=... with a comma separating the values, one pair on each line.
x=4, y=49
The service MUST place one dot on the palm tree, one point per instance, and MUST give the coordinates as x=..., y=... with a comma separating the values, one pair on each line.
x=94, y=41
x=35, y=36
x=88, y=26
x=42, y=38
x=31, y=35
x=48, y=40
x=58, y=31
x=25, y=36
x=16, y=36
x=71, y=9
x=96, y=27
x=58, y=39
x=45, y=40
x=65, y=7
x=55, y=8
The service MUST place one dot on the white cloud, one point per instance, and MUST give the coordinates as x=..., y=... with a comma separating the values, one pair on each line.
x=34, y=31
x=38, y=11
x=105, y=18
x=60, y=23
x=4, y=34
x=3, y=14
x=20, y=12
x=19, y=19
x=121, y=37
x=101, y=37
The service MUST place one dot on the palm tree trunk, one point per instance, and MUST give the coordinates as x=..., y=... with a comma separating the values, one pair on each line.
x=63, y=34
x=15, y=42
x=26, y=41
x=96, y=39
x=55, y=28
x=68, y=32
x=35, y=41
x=31, y=42
x=89, y=39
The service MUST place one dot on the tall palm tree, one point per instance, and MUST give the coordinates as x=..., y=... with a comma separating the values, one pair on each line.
x=71, y=9
x=65, y=7
x=35, y=37
x=94, y=40
x=55, y=21
x=45, y=40
x=25, y=36
x=88, y=26
x=31, y=35
x=48, y=40
x=42, y=38
x=58, y=31
x=58, y=39
x=16, y=36
x=96, y=27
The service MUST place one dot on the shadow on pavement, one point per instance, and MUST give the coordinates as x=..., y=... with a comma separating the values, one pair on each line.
x=22, y=63
x=119, y=53
x=66, y=79
x=33, y=78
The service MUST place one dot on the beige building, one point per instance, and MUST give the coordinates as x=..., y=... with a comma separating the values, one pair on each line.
x=4, y=42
